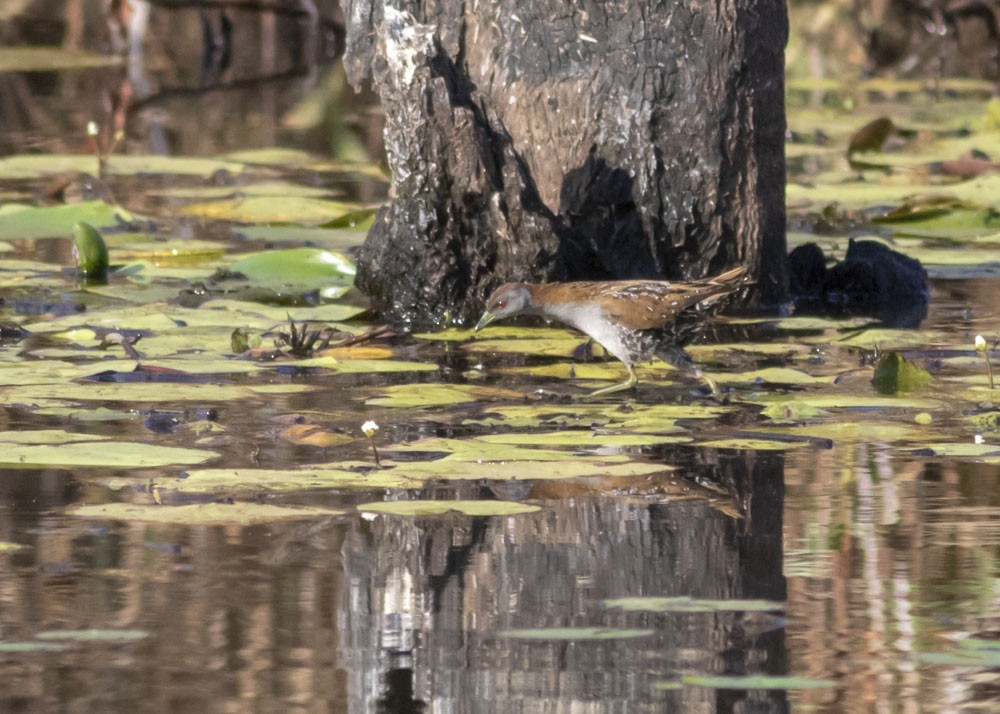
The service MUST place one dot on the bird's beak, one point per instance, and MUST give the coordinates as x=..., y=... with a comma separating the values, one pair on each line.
x=486, y=319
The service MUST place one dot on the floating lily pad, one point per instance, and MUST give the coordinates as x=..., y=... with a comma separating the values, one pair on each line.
x=690, y=604
x=757, y=681
x=51, y=59
x=20, y=222
x=141, y=393
x=94, y=635
x=29, y=647
x=7, y=546
x=962, y=450
x=433, y=395
x=438, y=508
x=573, y=633
x=755, y=444
x=120, y=454
x=272, y=209
x=306, y=477
x=589, y=439
x=526, y=469
x=970, y=652
x=45, y=436
x=200, y=513
x=35, y=165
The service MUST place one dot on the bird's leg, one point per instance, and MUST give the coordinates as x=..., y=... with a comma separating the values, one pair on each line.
x=707, y=380
x=627, y=384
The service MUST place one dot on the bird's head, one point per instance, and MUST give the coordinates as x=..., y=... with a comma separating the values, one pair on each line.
x=507, y=300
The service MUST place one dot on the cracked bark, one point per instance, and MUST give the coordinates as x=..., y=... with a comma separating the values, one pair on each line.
x=546, y=141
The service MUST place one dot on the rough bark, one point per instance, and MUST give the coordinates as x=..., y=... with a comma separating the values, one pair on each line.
x=543, y=141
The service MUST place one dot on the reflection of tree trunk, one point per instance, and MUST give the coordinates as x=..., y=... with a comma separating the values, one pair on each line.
x=430, y=597
x=533, y=140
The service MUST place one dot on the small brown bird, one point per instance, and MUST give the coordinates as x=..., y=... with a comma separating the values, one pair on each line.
x=632, y=319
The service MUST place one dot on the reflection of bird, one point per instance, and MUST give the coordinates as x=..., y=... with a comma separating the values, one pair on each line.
x=631, y=319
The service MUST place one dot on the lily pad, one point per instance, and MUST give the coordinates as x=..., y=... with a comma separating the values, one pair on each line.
x=435, y=395
x=200, y=513
x=119, y=454
x=756, y=681
x=690, y=604
x=274, y=480
x=272, y=209
x=29, y=647
x=20, y=222
x=573, y=633
x=589, y=439
x=94, y=635
x=50, y=59
x=438, y=508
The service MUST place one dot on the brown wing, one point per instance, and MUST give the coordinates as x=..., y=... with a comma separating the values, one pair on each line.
x=648, y=304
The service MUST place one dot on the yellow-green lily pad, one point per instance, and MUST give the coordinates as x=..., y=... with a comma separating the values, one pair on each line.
x=439, y=508
x=120, y=454
x=305, y=477
x=756, y=681
x=434, y=395
x=574, y=633
x=588, y=438
x=690, y=604
x=94, y=635
x=200, y=513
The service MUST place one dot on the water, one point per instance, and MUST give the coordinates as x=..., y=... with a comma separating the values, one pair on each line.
x=878, y=563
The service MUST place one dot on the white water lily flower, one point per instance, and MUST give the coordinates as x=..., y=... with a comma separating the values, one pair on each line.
x=369, y=428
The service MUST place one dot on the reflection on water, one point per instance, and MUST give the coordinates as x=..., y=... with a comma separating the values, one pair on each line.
x=884, y=561
x=388, y=613
x=887, y=562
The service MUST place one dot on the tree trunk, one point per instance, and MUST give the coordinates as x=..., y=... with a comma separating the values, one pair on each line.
x=549, y=141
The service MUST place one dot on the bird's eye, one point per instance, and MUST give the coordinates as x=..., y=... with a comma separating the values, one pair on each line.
x=501, y=304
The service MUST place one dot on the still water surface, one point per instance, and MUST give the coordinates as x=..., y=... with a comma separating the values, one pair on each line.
x=883, y=564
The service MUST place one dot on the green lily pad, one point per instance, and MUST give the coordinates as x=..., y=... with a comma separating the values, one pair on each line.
x=295, y=266
x=51, y=59
x=438, y=508
x=35, y=165
x=19, y=222
x=7, y=546
x=142, y=393
x=962, y=450
x=588, y=438
x=29, y=647
x=690, y=604
x=456, y=468
x=434, y=395
x=94, y=635
x=573, y=633
x=45, y=436
x=366, y=366
x=120, y=454
x=326, y=476
x=753, y=444
x=756, y=681
x=970, y=652
x=272, y=209
x=200, y=513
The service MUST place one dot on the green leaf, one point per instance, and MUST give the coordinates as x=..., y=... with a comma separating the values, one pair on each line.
x=438, y=508
x=19, y=222
x=573, y=633
x=894, y=374
x=50, y=59
x=200, y=513
x=121, y=454
x=690, y=604
x=94, y=635
x=756, y=681
x=90, y=252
